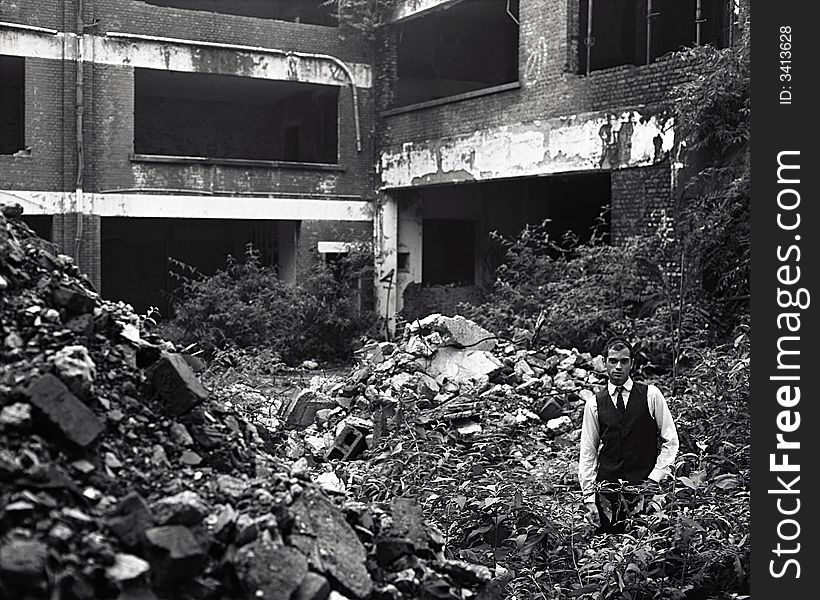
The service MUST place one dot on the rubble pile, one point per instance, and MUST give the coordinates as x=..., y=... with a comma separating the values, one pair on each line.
x=122, y=476
x=449, y=414
x=445, y=371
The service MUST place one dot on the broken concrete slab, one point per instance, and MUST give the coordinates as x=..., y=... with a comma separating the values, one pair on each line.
x=323, y=534
x=301, y=412
x=270, y=571
x=62, y=410
x=175, y=383
x=460, y=365
x=460, y=332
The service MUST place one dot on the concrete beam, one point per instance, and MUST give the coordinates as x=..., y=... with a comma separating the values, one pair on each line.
x=192, y=207
x=584, y=142
x=188, y=56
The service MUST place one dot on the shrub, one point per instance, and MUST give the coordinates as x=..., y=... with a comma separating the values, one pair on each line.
x=583, y=294
x=246, y=305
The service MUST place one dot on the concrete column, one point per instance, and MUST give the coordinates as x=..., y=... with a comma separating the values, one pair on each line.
x=386, y=246
x=288, y=243
x=411, y=219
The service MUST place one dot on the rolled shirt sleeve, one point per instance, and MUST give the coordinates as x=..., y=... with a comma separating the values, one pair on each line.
x=588, y=459
x=659, y=410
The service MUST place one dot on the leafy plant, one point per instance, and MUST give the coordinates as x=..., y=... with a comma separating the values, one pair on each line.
x=246, y=305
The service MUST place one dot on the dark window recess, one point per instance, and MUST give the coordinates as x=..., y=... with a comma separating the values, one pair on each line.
x=448, y=252
x=471, y=46
x=314, y=12
x=403, y=261
x=619, y=32
x=12, y=104
x=224, y=116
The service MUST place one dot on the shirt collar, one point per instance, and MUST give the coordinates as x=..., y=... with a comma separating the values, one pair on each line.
x=627, y=386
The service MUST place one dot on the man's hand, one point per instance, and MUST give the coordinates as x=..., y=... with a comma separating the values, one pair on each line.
x=592, y=513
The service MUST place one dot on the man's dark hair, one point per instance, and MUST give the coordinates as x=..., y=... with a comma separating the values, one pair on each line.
x=618, y=344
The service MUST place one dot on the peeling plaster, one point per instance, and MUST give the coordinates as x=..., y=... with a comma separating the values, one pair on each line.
x=177, y=57
x=413, y=8
x=573, y=143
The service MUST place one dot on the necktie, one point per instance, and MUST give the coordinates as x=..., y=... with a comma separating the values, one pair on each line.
x=620, y=400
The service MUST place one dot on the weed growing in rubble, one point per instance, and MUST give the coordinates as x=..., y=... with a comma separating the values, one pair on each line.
x=246, y=305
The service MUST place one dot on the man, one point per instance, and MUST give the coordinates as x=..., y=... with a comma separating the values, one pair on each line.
x=623, y=426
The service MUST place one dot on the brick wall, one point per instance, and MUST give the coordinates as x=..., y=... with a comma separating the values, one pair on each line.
x=640, y=199
x=42, y=13
x=86, y=248
x=420, y=301
x=48, y=101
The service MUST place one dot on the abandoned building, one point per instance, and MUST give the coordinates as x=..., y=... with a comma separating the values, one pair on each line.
x=139, y=131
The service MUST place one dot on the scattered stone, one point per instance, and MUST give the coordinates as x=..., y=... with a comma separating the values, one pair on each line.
x=23, y=564
x=190, y=458
x=130, y=519
x=230, y=486
x=313, y=587
x=17, y=415
x=180, y=436
x=184, y=508
x=127, y=567
x=467, y=573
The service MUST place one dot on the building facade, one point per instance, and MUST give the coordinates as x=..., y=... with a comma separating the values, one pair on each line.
x=496, y=114
x=137, y=130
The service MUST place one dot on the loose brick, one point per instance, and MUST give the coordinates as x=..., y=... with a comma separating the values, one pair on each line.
x=176, y=384
x=63, y=410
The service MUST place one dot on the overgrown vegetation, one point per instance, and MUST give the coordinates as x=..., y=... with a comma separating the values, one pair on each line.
x=246, y=305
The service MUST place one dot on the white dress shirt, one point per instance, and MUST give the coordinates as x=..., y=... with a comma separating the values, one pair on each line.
x=591, y=438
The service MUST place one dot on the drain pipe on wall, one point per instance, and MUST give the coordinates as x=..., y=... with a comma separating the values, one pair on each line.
x=260, y=50
x=79, y=109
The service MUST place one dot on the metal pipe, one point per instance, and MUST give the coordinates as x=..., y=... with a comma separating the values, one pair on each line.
x=262, y=50
x=512, y=16
x=589, y=41
x=649, y=16
x=698, y=20
x=79, y=110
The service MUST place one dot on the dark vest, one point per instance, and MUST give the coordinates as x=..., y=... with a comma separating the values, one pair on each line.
x=629, y=444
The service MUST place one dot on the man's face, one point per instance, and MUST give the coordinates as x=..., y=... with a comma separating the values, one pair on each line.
x=618, y=365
